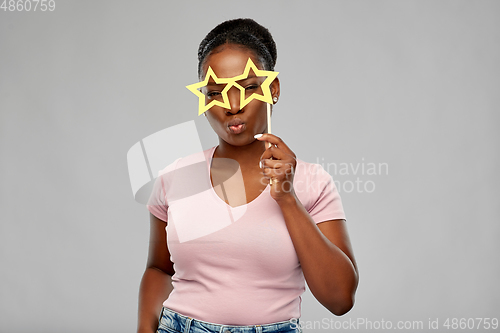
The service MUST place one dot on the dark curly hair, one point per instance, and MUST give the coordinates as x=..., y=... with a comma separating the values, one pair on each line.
x=245, y=32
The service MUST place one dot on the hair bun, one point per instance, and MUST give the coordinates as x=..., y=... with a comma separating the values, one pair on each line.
x=243, y=31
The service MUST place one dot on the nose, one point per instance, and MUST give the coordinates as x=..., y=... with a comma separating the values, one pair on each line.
x=234, y=100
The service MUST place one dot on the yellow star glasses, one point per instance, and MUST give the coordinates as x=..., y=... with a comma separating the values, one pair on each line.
x=232, y=82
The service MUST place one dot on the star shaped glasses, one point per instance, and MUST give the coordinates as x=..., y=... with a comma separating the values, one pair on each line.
x=232, y=82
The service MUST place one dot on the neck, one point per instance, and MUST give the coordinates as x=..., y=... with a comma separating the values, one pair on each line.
x=247, y=155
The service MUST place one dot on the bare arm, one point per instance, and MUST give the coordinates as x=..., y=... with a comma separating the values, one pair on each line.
x=324, y=250
x=156, y=283
x=325, y=255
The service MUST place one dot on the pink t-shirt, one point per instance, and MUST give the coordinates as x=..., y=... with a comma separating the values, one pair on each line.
x=235, y=265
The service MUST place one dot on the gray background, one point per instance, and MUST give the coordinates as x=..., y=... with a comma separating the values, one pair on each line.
x=414, y=84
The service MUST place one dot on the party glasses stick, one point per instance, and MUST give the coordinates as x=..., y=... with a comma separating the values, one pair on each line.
x=269, y=131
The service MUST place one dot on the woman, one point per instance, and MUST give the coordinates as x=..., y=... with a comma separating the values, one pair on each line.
x=245, y=275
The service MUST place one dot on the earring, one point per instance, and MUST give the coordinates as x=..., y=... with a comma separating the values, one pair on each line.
x=275, y=99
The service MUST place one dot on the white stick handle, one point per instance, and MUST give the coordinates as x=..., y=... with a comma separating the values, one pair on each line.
x=269, y=130
x=269, y=119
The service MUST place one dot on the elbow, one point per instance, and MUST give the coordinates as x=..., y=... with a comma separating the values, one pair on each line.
x=340, y=306
x=343, y=301
x=340, y=299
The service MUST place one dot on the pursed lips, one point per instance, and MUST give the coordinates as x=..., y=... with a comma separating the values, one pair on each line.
x=235, y=122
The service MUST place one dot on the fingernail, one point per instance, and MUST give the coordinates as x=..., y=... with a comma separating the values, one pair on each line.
x=260, y=164
x=257, y=136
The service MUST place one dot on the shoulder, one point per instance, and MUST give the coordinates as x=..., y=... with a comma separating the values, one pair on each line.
x=307, y=171
x=202, y=156
x=316, y=190
x=310, y=180
x=187, y=172
x=197, y=158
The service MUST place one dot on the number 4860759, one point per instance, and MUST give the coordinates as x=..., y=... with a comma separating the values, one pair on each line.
x=28, y=5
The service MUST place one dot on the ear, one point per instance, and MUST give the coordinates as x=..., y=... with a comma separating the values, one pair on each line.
x=275, y=88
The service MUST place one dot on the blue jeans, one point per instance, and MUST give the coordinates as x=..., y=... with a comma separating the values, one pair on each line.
x=173, y=322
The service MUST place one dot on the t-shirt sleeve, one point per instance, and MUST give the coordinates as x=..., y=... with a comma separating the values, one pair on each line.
x=157, y=204
x=326, y=203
